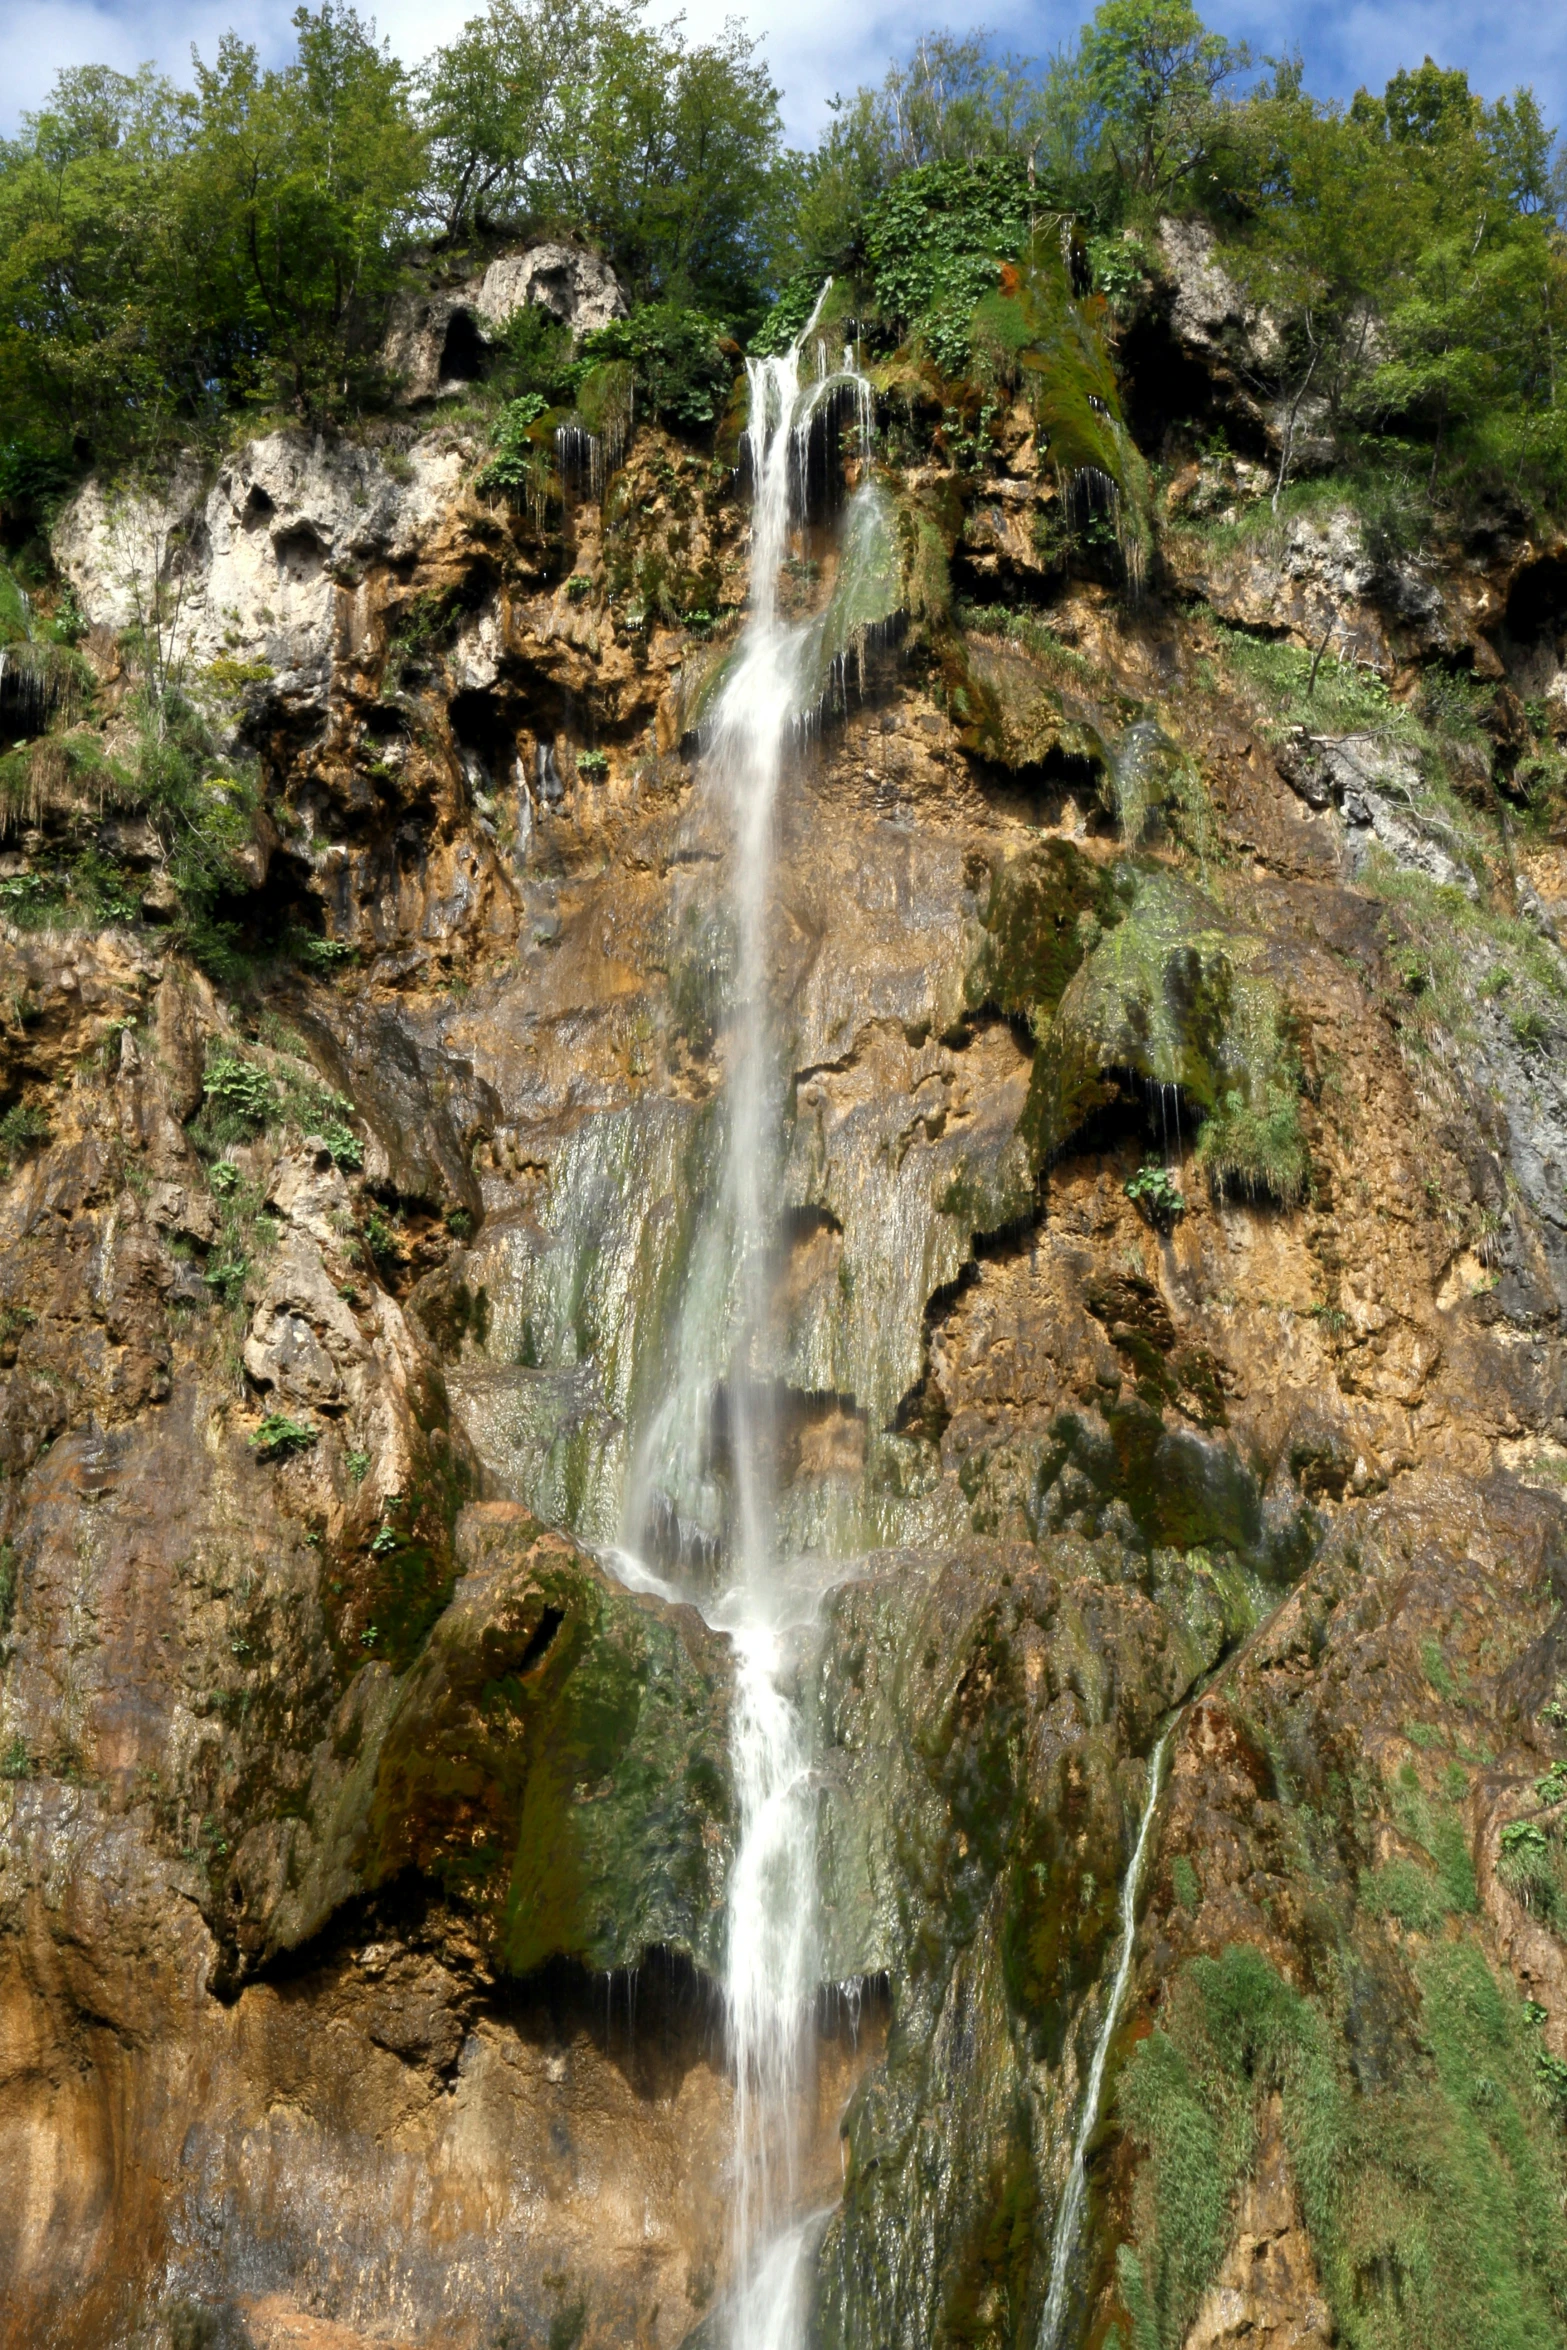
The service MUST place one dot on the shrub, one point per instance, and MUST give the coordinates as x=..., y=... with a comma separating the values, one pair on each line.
x=1527, y=1866
x=522, y=467
x=344, y=1144
x=1154, y=1191
x=240, y=1097
x=677, y=359
x=22, y=1129
x=278, y=1436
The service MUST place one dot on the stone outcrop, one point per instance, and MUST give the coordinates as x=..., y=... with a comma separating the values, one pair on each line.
x=436, y=342
x=366, y=1817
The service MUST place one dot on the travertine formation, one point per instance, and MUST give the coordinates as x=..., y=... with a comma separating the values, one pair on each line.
x=363, y=1839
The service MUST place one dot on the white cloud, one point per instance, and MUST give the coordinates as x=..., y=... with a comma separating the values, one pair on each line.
x=817, y=47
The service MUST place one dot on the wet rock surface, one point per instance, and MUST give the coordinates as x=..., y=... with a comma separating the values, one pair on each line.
x=364, y=1838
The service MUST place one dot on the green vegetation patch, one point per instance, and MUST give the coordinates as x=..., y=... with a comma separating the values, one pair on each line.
x=1381, y=2176
x=1037, y=337
x=1169, y=996
x=1045, y=907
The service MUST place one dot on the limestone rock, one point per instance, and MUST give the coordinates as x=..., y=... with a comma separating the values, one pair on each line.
x=260, y=566
x=303, y=1339
x=437, y=341
x=1267, y=2295
x=575, y=286
x=1208, y=311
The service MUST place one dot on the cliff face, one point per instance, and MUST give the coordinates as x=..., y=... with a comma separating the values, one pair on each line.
x=366, y=1838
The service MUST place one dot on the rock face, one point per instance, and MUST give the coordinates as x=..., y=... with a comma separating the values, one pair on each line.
x=1166, y=1305
x=436, y=342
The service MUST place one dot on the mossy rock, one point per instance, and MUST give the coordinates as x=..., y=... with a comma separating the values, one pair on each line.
x=557, y=1761
x=1030, y=723
x=975, y=1858
x=1171, y=997
x=1037, y=335
x=1046, y=906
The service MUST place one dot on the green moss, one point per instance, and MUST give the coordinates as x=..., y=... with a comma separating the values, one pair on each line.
x=1046, y=906
x=556, y=1765
x=1256, y=1144
x=873, y=587
x=1184, y=1492
x=1170, y=996
x=1034, y=335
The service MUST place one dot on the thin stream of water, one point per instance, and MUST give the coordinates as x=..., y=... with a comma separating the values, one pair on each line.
x=1069, y=2214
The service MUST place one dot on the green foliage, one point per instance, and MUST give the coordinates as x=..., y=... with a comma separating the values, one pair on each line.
x=1380, y=2174
x=1531, y=1866
x=582, y=114
x=682, y=372
x=344, y=1144
x=165, y=256
x=1254, y=1143
x=934, y=244
x=240, y=1098
x=1154, y=69
x=23, y=1128
x=1154, y=1190
x=1188, y=1890
x=522, y=467
x=1233, y=2030
x=1404, y=1890
x=278, y=1437
x=535, y=355
x=1331, y=695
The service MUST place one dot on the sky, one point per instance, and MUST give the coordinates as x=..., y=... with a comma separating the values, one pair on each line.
x=817, y=47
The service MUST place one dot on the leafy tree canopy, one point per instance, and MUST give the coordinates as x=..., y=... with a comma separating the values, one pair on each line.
x=177, y=262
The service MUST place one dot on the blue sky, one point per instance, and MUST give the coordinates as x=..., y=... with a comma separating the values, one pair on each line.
x=818, y=46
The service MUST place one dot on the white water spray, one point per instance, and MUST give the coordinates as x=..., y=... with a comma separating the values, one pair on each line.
x=723, y=1352
x=1069, y=2215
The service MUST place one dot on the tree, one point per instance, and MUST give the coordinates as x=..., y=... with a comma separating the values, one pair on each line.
x=311, y=174
x=581, y=114
x=108, y=325
x=1156, y=71
x=484, y=99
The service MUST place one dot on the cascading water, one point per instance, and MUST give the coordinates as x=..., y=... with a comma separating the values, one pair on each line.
x=710, y=1508
x=1069, y=2212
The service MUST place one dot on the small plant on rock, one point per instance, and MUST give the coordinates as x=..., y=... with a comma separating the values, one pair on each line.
x=1527, y=1867
x=22, y=1129
x=278, y=1437
x=240, y=1097
x=1156, y=1195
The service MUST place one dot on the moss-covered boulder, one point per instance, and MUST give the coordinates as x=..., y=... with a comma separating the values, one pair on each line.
x=556, y=1762
x=1043, y=910
x=1172, y=997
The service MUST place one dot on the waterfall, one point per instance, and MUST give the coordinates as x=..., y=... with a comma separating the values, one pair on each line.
x=1069, y=2214
x=701, y=1487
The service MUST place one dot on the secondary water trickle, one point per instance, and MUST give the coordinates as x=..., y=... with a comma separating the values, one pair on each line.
x=701, y=1482
x=1069, y=2213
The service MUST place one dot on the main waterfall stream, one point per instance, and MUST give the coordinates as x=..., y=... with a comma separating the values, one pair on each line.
x=723, y=1374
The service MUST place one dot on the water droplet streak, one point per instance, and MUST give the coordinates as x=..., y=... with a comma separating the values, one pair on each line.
x=1069, y=2213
